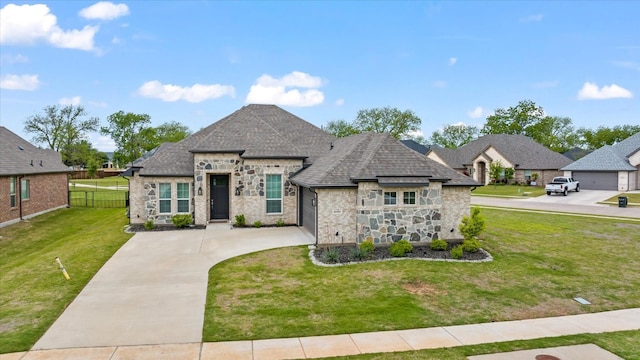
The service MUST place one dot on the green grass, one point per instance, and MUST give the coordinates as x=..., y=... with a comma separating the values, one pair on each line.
x=541, y=263
x=625, y=344
x=508, y=190
x=117, y=181
x=33, y=291
x=633, y=198
x=98, y=199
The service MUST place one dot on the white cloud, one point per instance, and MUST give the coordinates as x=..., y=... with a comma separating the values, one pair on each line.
x=70, y=101
x=194, y=94
x=532, y=18
x=439, y=84
x=104, y=10
x=415, y=133
x=27, y=24
x=116, y=40
x=452, y=61
x=14, y=59
x=476, y=113
x=627, y=65
x=546, y=84
x=340, y=102
x=270, y=90
x=590, y=91
x=19, y=82
x=103, y=143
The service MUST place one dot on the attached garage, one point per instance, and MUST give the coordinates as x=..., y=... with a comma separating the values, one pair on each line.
x=592, y=180
x=308, y=210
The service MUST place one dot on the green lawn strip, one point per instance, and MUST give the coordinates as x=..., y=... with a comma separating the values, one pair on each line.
x=33, y=291
x=633, y=199
x=541, y=263
x=113, y=181
x=625, y=344
x=502, y=190
x=102, y=198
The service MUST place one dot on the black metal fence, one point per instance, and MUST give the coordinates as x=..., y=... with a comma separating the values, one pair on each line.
x=99, y=199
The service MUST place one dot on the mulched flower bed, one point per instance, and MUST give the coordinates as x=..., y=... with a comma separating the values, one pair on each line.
x=134, y=228
x=381, y=252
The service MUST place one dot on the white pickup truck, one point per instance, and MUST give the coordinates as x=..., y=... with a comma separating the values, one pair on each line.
x=562, y=185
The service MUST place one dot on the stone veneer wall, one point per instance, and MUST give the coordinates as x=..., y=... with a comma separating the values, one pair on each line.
x=249, y=176
x=143, y=198
x=336, y=214
x=390, y=223
x=456, y=202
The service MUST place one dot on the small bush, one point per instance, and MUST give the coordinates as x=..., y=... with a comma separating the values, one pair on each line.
x=149, y=224
x=359, y=254
x=280, y=223
x=181, y=220
x=257, y=223
x=240, y=220
x=457, y=252
x=331, y=255
x=400, y=248
x=472, y=226
x=367, y=246
x=471, y=245
x=439, y=245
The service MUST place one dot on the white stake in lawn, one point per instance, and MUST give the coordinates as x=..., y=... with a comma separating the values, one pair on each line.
x=64, y=271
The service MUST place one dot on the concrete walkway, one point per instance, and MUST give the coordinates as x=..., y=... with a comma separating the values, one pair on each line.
x=153, y=290
x=361, y=343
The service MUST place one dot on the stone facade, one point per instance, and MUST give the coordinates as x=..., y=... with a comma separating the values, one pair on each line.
x=144, y=200
x=46, y=192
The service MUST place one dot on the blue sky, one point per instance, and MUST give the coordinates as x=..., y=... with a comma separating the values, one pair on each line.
x=197, y=61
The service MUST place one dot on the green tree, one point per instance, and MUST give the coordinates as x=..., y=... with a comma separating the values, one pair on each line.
x=172, y=131
x=495, y=171
x=508, y=174
x=129, y=131
x=340, y=128
x=61, y=128
x=556, y=133
x=454, y=136
x=595, y=139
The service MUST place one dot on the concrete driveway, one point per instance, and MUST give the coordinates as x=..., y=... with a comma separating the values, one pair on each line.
x=584, y=197
x=153, y=290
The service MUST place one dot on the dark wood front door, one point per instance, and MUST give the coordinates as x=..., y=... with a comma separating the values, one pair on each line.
x=219, y=190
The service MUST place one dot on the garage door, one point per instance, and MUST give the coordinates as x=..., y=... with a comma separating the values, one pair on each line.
x=308, y=210
x=597, y=180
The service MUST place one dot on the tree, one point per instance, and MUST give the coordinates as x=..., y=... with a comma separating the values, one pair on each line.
x=556, y=133
x=61, y=128
x=454, y=136
x=125, y=129
x=495, y=171
x=508, y=174
x=606, y=136
x=340, y=128
x=398, y=124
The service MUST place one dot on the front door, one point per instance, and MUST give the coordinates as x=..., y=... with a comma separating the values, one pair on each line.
x=219, y=190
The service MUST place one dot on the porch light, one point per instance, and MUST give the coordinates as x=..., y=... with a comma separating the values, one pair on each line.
x=200, y=191
x=237, y=190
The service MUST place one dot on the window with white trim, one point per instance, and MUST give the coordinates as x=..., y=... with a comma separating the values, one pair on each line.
x=390, y=198
x=274, y=193
x=12, y=191
x=409, y=198
x=24, y=189
x=527, y=174
x=164, y=196
x=183, y=197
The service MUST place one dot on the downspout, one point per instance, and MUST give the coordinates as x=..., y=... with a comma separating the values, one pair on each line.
x=19, y=193
x=316, y=222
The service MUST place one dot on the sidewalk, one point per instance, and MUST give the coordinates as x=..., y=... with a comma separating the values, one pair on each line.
x=354, y=344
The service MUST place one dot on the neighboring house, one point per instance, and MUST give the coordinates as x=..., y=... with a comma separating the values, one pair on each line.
x=32, y=180
x=615, y=167
x=269, y=165
x=518, y=152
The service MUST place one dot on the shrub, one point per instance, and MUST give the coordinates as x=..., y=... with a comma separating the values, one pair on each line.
x=471, y=245
x=400, y=248
x=457, y=252
x=257, y=223
x=439, y=245
x=359, y=254
x=181, y=220
x=367, y=246
x=240, y=220
x=149, y=224
x=472, y=226
x=280, y=223
x=331, y=255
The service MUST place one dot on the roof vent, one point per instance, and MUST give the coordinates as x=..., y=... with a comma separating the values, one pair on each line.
x=41, y=163
x=20, y=147
x=331, y=146
x=31, y=162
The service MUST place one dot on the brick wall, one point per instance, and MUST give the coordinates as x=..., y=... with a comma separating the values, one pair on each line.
x=336, y=215
x=46, y=192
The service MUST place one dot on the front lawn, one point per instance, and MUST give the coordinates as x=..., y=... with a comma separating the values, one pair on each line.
x=33, y=291
x=541, y=263
x=632, y=198
x=503, y=190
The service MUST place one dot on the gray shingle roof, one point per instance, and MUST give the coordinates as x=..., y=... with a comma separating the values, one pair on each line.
x=609, y=158
x=258, y=131
x=376, y=157
x=416, y=146
x=518, y=149
x=19, y=157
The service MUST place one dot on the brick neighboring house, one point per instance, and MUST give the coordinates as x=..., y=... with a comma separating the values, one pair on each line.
x=269, y=165
x=32, y=180
x=519, y=152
